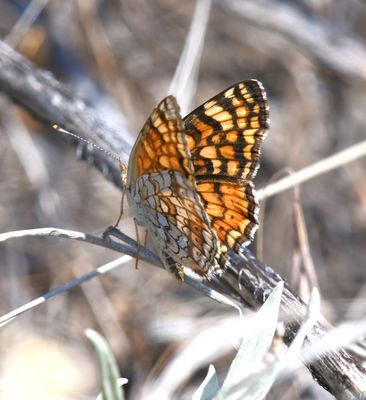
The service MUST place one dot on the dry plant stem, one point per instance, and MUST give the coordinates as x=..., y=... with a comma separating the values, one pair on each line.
x=24, y=23
x=262, y=212
x=129, y=248
x=337, y=160
x=248, y=281
x=304, y=247
x=184, y=82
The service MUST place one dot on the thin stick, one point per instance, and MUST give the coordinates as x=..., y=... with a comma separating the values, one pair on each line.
x=128, y=249
x=260, y=236
x=6, y=318
x=327, y=164
x=184, y=82
x=310, y=280
x=24, y=23
x=132, y=250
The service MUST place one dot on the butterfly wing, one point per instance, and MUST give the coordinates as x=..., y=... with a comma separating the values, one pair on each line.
x=177, y=222
x=224, y=137
x=162, y=192
x=161, y=144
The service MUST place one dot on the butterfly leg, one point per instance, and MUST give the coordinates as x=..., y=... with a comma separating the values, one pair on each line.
x=180, y=272
x=120, y=210
x=146, y=237
x=138, y=244
x=172, y=266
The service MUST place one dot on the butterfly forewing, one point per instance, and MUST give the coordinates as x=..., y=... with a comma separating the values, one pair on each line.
x=161, y=144
x=224, y=137
x=225, y=133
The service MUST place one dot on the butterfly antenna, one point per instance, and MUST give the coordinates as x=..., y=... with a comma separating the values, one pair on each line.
x=122, y=166
x=62, y=130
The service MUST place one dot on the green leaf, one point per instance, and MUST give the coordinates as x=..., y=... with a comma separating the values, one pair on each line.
x=120, y=383
x=110, y=374
x=209, y=387
x=258, y=338
x=258, y=385
x=264, y=383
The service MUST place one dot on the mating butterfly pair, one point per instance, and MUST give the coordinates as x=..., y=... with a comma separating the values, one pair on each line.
x=189, y=181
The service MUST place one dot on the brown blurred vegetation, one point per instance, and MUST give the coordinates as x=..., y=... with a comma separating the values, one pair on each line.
x=120, y=57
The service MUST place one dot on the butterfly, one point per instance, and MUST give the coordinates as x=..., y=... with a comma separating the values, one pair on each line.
x=189, y=180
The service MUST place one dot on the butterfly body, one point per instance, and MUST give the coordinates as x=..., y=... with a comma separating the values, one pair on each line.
x=189, y=180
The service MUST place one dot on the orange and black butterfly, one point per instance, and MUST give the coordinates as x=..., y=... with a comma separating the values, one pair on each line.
x=189, y=180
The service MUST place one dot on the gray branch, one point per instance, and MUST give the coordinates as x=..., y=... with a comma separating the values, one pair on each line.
x=248, y=281
x=48, y=100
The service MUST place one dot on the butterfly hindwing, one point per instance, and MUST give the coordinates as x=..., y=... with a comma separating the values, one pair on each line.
x=180, y=229
x=232, y=209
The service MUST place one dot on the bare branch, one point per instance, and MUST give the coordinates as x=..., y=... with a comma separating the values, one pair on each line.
x=48, y=100
x=337, y=371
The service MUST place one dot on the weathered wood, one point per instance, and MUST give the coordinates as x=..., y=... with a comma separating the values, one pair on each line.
x=54, y=103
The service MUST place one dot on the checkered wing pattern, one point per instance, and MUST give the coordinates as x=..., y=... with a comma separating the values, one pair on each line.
x=176, y=220
x=161, y=144
x=224, y=137
x=162, y=193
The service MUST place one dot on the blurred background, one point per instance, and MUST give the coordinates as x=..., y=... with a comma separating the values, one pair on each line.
x=120, y=56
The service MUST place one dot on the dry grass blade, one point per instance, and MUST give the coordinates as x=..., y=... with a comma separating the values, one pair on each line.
x=8, y=317
x=337, y=160
x=130, y=249
x=184, y=82
x=346, y=55
x=24, y=23
x=306, y=276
